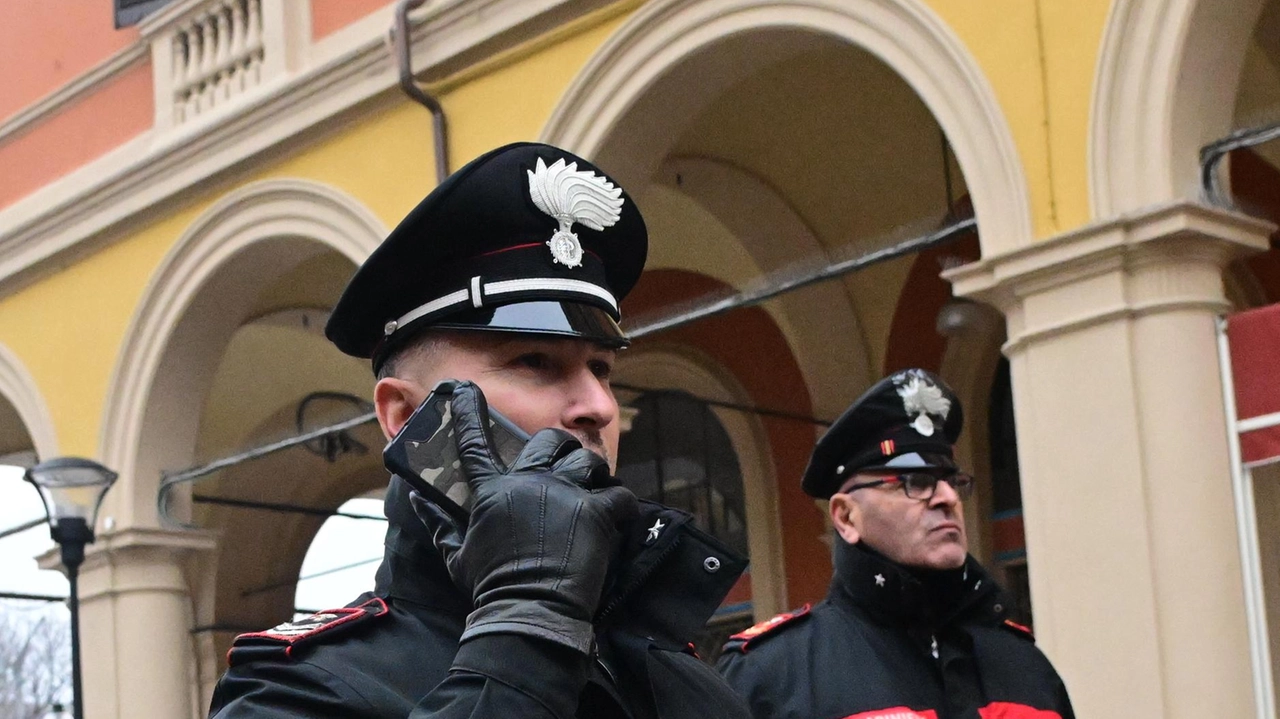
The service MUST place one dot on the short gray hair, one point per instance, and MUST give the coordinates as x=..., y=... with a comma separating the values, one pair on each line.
x=422, y=346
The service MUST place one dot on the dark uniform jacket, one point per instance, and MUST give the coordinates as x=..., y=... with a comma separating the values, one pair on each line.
x=886, y=644
x=397, y=647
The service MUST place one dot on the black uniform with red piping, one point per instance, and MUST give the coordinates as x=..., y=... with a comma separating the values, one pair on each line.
x=380, y=656
x=527, y=241
x=888, y=643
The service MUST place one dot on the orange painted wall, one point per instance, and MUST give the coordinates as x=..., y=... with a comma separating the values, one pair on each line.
x=87, y=129
x=44, y=44
x=329, y=16
x=750, y=345
x=913, y=337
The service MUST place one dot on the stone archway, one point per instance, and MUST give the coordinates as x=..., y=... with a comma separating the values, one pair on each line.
x=261, y=229
x=19, y=388
x=141, y=579
x=904, y=34
x=1159, y=96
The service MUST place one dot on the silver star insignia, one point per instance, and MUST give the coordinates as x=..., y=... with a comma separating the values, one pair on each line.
x=879, y=580
x=653, y=531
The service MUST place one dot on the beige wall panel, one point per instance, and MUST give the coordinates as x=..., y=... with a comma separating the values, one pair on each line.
x=1084, y=511
x=1191, y=512
x=1131, y=533
x=1266, y=492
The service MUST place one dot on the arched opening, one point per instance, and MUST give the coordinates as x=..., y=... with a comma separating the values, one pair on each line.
x=743, y=131
x=678, y=452
x=343, y=557
x=276, y=377
x=226, y=353
x=34, y=622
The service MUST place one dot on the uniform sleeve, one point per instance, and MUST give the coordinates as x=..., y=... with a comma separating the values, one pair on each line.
x=741, y=677
x=1064, y=702
x=508, y=675
x=285, y=691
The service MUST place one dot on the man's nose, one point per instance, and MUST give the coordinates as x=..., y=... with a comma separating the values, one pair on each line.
x=591, y=404
x=944, y=495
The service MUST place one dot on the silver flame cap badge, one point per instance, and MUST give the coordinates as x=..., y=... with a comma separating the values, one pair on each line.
x=570, y=196
x=922, y=398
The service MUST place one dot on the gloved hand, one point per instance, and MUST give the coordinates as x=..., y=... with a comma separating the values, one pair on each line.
x=536, y=550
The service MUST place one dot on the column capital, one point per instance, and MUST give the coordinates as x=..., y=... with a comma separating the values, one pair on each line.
x=137, y=540
x=1164, y=258
x=136, y=559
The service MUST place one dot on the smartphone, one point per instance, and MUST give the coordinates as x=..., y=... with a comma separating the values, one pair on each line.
x=425, y=452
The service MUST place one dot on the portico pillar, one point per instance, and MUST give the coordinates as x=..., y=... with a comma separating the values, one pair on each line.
x=135, y=616
x=1131, y=534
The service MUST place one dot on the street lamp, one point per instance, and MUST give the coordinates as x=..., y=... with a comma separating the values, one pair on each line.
x=72, y=490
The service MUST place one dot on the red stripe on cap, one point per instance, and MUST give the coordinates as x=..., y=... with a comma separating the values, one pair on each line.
x=508, y=249
x=526, y=246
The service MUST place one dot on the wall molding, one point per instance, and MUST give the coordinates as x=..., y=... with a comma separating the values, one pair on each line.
x=256, y=213
x=77, y=89
x=102, y=196
x=905, y=34
x=20, y=389
x=1165, y=85
x=1167, y=258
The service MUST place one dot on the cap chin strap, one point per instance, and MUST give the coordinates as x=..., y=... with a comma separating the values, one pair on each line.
x=478, y=292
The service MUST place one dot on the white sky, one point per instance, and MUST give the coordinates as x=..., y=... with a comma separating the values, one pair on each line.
x=340, y=542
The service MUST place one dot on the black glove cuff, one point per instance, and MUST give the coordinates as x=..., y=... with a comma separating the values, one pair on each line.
x=550, y=673
x=530, y=619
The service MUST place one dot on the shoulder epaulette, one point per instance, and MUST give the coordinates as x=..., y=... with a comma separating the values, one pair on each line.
x=747, y=638
x=1019, y=629
x=283, y=640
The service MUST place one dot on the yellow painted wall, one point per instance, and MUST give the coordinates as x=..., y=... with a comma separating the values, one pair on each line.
x=1040, y=57
x=67, y=328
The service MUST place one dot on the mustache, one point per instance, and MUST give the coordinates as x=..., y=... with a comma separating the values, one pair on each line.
x=593, y=440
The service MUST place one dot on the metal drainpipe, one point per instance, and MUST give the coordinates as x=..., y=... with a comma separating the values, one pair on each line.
x=404, y=56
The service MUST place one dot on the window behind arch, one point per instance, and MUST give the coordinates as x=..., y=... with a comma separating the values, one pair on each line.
x=678, y=453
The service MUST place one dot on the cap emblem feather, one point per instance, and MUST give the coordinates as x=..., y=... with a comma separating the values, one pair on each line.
x=570, y=195
x=922, y=398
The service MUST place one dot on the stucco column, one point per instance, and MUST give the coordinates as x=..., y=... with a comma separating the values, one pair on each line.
x=1131, y=532
x=135, y=622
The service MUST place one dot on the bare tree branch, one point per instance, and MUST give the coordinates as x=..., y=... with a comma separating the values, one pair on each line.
x=35, y=661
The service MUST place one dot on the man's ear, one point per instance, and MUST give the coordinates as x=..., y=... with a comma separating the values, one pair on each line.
x=845, y=517
x=394, y=401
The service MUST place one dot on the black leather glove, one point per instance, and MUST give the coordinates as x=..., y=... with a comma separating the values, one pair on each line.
x=537, y=548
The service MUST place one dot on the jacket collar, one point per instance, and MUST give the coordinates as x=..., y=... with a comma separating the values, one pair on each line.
x=891, y=592
x=660, y=584
x=411, y=567
x=650, y=560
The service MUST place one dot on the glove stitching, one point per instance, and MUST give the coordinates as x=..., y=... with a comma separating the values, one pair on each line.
x=568, y=546
x=511, y=527
x=542, y=526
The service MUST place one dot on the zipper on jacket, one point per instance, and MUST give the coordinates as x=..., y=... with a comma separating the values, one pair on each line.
x=607, y=671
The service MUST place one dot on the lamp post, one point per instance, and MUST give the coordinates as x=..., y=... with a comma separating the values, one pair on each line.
x=72, y=490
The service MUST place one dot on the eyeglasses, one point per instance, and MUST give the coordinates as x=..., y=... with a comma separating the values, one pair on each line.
x=922, y=485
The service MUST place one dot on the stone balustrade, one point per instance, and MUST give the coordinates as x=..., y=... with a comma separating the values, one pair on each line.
x=217, y=55
x=208, y=54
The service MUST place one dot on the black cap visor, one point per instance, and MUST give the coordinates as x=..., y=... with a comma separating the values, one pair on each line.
x=913, y=460
x=542, y=317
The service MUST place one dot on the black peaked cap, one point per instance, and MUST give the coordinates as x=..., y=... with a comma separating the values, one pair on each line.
x=909, y=419
x=480, y=242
